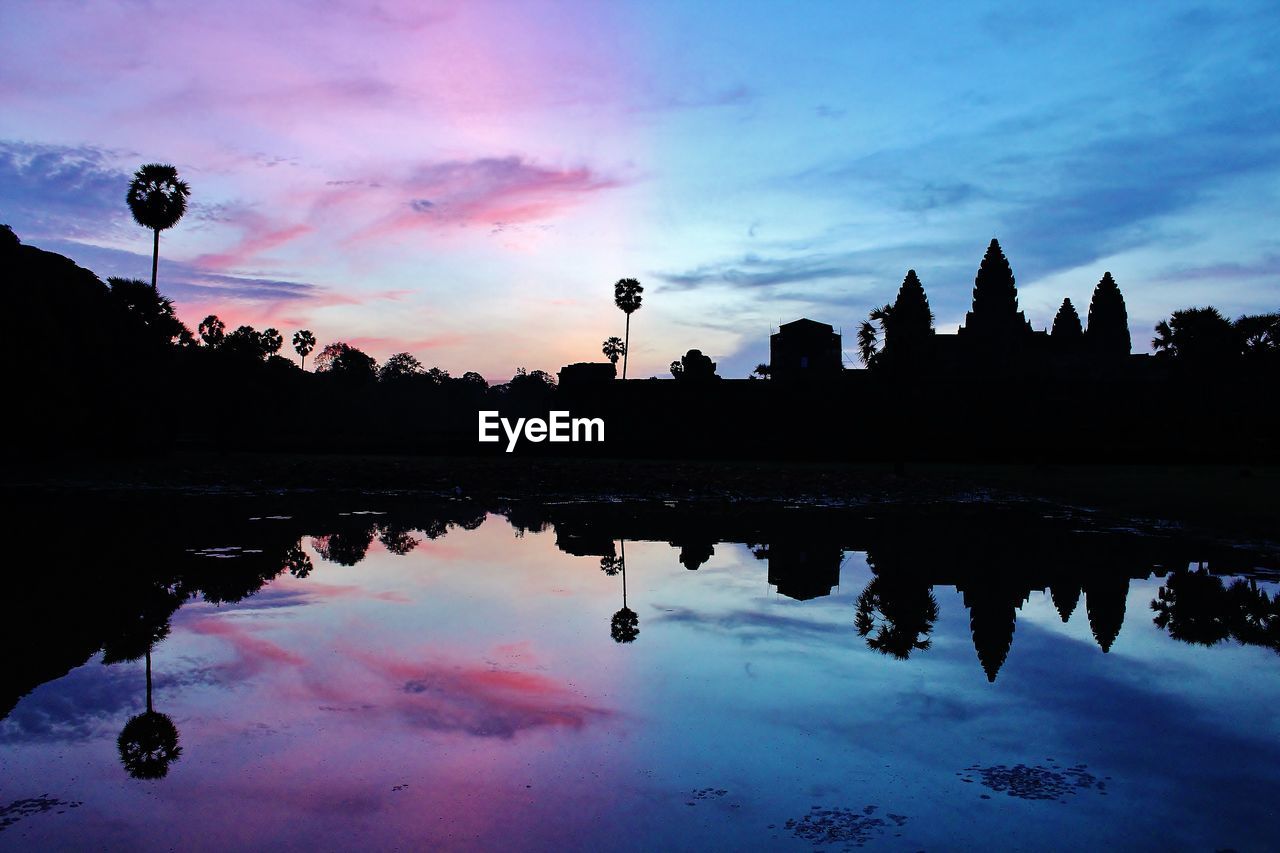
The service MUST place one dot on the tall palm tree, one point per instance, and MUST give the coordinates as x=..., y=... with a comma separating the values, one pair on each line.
x=1197, y=337
x=613, y=349
x=157, y=200
x=626, y=295
x=1259, y=333
x=271, y=341
x=303, y=343
x=869, y=336
x=212, y=331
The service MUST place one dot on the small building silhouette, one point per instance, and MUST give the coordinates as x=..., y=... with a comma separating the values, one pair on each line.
x=804, y=571
x=804, y=349
x=587, y=374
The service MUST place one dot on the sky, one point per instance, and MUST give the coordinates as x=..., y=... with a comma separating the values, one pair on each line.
x=465, y=181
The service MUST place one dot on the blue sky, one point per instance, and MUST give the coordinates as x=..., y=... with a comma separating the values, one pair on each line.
x=465, y=181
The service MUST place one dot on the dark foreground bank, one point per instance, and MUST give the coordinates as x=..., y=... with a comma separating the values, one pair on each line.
x=1230, y=499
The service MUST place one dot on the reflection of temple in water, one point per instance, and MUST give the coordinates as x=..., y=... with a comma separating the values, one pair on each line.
x=992, y=614
x=1104, y=600
x=996, y=559
x=148, y=558
x=694, y=553
x=804, y=570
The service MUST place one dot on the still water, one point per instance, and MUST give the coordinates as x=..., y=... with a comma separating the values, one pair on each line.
x=637, y=677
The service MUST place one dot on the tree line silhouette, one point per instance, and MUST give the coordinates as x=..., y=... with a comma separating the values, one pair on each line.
x=110, y=366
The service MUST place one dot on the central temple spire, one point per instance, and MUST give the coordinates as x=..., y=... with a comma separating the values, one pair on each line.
x=995, y=311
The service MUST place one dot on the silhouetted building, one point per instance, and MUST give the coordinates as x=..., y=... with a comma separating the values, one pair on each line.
x=803, y=571
x=997, y=340
x=587, y=374
x=586, y=542
x=694, y=553
x=804, y=349
x=1108, y=332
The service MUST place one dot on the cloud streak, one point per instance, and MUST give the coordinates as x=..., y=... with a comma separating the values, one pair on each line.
x=755, y=271
x=486, y=191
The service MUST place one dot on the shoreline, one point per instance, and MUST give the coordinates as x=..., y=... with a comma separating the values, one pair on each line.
x=1232, y=499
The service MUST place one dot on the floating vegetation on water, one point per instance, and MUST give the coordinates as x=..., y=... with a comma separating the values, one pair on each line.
x=843, y=826
x=18, y=809
x=1037, y=782
x=224, y=553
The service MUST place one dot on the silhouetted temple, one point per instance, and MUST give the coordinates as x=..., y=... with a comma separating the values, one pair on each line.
x=805, y=349
x=996, y=338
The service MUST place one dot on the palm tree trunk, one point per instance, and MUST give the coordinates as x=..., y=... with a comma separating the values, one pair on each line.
x=155, y=258
x=626, y=346
x=624, y=572
x=149, y=670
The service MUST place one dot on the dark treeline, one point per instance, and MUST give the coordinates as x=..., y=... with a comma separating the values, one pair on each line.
x=132, y=565
x=108, y=366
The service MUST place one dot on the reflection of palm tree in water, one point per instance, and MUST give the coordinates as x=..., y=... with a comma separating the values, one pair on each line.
x=1191, y=606
x=901, y=614
x=148, y=743
x=1197, y=607
x=1257, y=619
x=624, y=627
x=297, y=561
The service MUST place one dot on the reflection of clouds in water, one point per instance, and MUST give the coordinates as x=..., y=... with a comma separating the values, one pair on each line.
x=287, y=592
x=253, y=654
x=268, y=598
x=91, y=699
x=485, y=702
x=440, y=695
x=749, y=625
x=88, y=701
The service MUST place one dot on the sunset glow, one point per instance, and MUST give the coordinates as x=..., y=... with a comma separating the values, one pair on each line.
x=465, y=181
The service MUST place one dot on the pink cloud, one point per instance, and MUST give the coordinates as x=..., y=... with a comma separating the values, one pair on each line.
x=483, y=701
x=253, y=654
x=485, y=191
x=388, y=344
x=254, y=243
x=504, y=189
x=315, y=589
